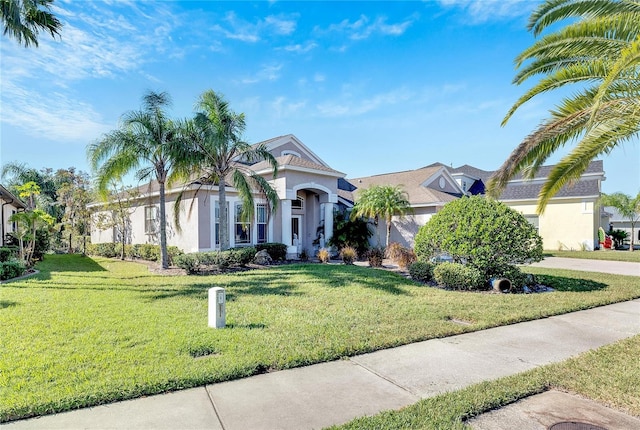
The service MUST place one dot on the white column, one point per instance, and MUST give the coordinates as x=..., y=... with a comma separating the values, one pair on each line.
x=328, y=221
x=285, y=207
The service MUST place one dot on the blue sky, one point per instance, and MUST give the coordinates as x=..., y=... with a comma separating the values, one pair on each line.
x=370, y=87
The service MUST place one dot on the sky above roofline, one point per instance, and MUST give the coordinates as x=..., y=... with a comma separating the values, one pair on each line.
x=370, y=87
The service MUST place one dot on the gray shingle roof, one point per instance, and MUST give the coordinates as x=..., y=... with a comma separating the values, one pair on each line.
x=294, y=161
x=528, y=191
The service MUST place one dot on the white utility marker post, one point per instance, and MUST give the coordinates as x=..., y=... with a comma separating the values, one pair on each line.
x=217, y=305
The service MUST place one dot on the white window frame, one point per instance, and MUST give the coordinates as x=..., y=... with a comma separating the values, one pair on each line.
x=151, y=223
x=262, y=222
x=243, y=226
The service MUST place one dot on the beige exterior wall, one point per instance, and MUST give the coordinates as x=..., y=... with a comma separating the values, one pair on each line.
x=403, y=229
x=566, y=224
x=8, y=210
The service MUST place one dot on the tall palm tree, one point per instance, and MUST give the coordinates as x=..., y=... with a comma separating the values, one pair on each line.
x=627, y=206
x=382, y=201
x=22, y=20
x=218, y=155
x=146, y=143
x=599, y=49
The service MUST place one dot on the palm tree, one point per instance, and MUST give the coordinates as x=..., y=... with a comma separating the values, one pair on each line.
x=627, y=206
x=218, y=155
x=382, y=201
x=599, y=49
x=146, y=143
x=23, y=20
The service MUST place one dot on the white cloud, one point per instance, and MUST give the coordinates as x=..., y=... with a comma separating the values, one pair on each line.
x=252, y=32
x=283, y=108
x=269, y=72
x=319, y=77
x=481, y=11
x=360, y=107
x=363, y=28
x=53, y=115
x=300, y=48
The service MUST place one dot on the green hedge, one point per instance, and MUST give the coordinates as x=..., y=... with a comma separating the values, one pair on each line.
x=11, y=269
x=421, y=271
x=277, y=251
x=200, y=262
x=7, y=253
x=458, y=276
x=145, y=251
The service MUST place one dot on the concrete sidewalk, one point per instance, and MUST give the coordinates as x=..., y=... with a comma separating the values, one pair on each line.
x=603, y=266
x=336, y=392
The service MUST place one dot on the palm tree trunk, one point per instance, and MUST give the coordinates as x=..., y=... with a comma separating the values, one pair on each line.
x=164, y=258
x=224, y=216
x=388, y=230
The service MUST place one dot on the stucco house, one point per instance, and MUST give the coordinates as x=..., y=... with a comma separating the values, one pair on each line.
x=9, y=205
x=570, y=221
x=309, y=190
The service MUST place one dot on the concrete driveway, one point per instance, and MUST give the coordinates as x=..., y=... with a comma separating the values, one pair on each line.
x=613, y=267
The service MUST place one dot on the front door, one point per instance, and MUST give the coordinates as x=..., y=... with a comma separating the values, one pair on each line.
x=296, y=231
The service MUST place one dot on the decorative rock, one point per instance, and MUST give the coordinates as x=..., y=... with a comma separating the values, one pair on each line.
x=262, y=258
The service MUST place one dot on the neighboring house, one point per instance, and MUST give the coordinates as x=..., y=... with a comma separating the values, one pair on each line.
x=310, y=190
x=9, y=205
x=618, y=222
x=570, y=221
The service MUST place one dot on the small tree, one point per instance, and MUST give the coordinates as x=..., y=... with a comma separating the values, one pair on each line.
x=352, y=232
x=382, y=201
x=482, y=233
x=116, y=213
x=627, y=206
x=26, y=233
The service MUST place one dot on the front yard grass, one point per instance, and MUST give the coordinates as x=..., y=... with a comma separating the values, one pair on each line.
x=90, y=331
x=607, y=254
x=609, y=375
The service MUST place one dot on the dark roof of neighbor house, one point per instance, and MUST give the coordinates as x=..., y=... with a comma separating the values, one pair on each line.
x=528, y=190
x=410, y=180
x=10, y=198
x=517, y=189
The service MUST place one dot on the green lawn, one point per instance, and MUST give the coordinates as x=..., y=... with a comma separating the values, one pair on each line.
x=610, y=255
x=609, y=375
x=89, y=331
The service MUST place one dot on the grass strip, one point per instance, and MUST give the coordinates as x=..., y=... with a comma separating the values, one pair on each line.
x=89, y=331
x=607, y=255
x=609, y=375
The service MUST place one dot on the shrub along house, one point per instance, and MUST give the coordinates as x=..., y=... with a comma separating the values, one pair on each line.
x=309, y=190
x=9, y=205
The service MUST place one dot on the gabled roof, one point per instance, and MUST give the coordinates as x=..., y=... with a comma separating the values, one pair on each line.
x=275, y=142
x=10, y=198
x=411, y=181
x=293, y=162
x=531, y=190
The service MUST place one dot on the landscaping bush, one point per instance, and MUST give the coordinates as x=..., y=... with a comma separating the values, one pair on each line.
x=277, y=251
x=375, y=256
x=107, y=249
x=484, y=233
x=324, y=255
x=421, y=271
x=11, y=269
x=400, y=255
x=6, y=254
x=348, y=254
x=241, y=256
x=188, y=262
x=350, y=232
x=458, y=276
x=149, y=252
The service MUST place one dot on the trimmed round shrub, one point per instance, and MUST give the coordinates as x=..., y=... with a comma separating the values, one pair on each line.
x=375, y=256
x=458, y=276
x=421, y=271
x=483, y=233
x=242, y=256
x=348, y=254
x=188, y=262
